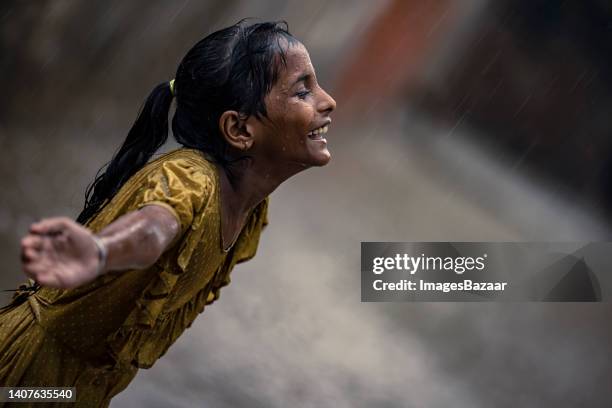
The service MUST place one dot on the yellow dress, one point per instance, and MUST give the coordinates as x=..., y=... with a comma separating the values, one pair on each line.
x=96, y=337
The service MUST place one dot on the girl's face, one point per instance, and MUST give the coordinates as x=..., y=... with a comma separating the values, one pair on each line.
x=298, y=112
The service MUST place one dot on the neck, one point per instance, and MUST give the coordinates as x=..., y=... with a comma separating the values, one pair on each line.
x=251, y=181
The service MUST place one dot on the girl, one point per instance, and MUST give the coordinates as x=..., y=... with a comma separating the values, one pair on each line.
x=157, y=240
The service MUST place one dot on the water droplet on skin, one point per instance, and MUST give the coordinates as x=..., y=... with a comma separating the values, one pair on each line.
x=284, y=148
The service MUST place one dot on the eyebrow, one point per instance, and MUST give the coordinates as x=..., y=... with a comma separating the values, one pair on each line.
x=301, y=78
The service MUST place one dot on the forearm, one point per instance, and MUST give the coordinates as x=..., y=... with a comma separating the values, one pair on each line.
x=134, y=241
x=61, y=253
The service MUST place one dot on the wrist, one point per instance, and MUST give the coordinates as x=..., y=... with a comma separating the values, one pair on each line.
x=102, y=254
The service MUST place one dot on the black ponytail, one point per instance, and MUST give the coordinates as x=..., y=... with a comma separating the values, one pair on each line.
x=149, y=133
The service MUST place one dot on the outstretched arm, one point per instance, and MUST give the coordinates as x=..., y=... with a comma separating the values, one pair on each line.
x=61, y=253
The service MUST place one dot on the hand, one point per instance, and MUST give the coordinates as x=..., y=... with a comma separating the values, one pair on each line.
x=59, y=253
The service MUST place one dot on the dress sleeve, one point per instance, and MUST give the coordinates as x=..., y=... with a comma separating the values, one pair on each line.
x=178, y=186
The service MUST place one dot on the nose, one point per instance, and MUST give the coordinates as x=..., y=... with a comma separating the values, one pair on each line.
x=326, y=103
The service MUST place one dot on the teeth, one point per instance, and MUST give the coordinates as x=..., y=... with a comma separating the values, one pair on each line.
x=320, y=131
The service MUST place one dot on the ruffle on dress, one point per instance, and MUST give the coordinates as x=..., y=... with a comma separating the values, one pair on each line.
x=148, y=332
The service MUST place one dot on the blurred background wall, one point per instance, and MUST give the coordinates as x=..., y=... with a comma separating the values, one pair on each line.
x=457, y=120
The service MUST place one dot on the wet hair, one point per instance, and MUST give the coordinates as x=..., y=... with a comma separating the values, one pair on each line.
x=230, y=69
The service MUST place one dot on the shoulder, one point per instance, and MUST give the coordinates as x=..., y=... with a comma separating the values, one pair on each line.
x=182, y=174
x=186, y=163
x=182, y=171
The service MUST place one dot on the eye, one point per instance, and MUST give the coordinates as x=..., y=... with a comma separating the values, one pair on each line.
x=303, y=94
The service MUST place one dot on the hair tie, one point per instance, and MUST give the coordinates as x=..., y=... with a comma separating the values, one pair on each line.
x=172, y=87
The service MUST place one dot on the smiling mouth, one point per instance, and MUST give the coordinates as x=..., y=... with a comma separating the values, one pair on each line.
x=318, y=133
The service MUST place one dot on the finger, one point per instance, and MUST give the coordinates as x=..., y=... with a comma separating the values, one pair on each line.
x=29, y=255
x=50, y=225
x=32, y=241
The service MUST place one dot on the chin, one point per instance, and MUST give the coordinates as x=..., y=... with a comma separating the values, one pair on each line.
x=317, y=158
x=322, y=159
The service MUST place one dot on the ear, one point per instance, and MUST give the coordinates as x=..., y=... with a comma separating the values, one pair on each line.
x=237, y=131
